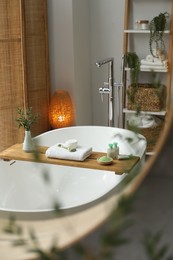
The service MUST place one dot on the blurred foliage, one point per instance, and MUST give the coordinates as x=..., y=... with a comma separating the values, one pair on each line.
x=112, y=238
x=154, y=248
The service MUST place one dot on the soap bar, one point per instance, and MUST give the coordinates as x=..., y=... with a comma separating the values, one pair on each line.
x=71, y=144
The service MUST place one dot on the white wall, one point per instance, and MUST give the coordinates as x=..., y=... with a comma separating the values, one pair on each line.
x=82, y=86
x=61, y=55
x=107, y=22
x=69, y=53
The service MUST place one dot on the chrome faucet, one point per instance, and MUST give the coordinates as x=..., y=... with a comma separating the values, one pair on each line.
x=108, y=88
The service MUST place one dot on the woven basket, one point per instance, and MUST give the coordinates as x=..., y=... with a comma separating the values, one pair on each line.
x=146, y=97
x=151, y=134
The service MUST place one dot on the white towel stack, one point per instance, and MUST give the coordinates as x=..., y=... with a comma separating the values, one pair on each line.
x=142, y=121
x=155, y=64
x=59, y=152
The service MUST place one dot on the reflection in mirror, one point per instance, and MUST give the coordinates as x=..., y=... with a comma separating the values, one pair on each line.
x=75, y=44
x=92, y=28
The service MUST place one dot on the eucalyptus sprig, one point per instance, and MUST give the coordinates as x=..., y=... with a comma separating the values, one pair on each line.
x=26, y=118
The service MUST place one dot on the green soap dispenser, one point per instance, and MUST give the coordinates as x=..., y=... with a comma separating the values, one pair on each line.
x=110, y=151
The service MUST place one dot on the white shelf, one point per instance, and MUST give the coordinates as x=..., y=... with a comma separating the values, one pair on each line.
x=154, y=70
x=149, y=70
x=150, y=153
x=142, y=31
x=159, y=113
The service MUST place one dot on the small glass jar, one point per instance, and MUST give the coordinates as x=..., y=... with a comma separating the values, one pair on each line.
x=116, y=150
x=110, y=151
x=113, y=151
x=141, y=24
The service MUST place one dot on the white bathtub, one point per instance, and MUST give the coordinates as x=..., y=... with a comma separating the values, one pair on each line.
x=23, y=188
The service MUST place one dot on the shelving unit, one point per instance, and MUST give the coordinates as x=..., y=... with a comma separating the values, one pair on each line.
x=129, y=35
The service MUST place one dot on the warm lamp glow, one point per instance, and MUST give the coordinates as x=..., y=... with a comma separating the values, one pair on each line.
x=61, y=110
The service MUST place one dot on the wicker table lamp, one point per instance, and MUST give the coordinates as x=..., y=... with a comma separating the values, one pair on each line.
x=61, y=110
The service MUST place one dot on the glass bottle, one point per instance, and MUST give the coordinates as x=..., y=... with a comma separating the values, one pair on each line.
x=115, y=150
x=110, y=151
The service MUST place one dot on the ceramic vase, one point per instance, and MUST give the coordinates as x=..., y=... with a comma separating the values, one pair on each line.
x=28, y=144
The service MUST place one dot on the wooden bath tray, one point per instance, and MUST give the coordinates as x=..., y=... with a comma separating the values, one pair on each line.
x=15, y=152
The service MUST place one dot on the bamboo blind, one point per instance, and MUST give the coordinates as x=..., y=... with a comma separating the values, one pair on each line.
x=24, y=72
x=36, y=62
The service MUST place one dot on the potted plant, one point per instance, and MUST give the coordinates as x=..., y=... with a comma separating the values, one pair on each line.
x=133, y=63
x=157, y=27
x=26, y=119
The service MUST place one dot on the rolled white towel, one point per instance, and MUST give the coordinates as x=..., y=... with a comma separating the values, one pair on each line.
x=59, y=152
x=142, y=121
x=147, y=121
x=149, y=57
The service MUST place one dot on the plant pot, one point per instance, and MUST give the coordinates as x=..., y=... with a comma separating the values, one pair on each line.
x=28, y=144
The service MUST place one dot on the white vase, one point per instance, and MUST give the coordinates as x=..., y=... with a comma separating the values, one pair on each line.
x=28, y=144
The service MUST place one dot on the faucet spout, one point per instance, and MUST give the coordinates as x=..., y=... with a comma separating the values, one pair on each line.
x=102, y=62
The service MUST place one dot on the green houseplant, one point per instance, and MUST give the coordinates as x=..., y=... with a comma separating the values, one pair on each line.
x=26, y=119
x=157, y=27
x=133, y=63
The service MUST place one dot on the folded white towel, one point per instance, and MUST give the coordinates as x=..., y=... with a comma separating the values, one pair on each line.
x=58, y=152
x=155, y=63
x=154, y=68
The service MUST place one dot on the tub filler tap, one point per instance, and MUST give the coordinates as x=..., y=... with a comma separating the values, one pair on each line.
x=108, y=87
